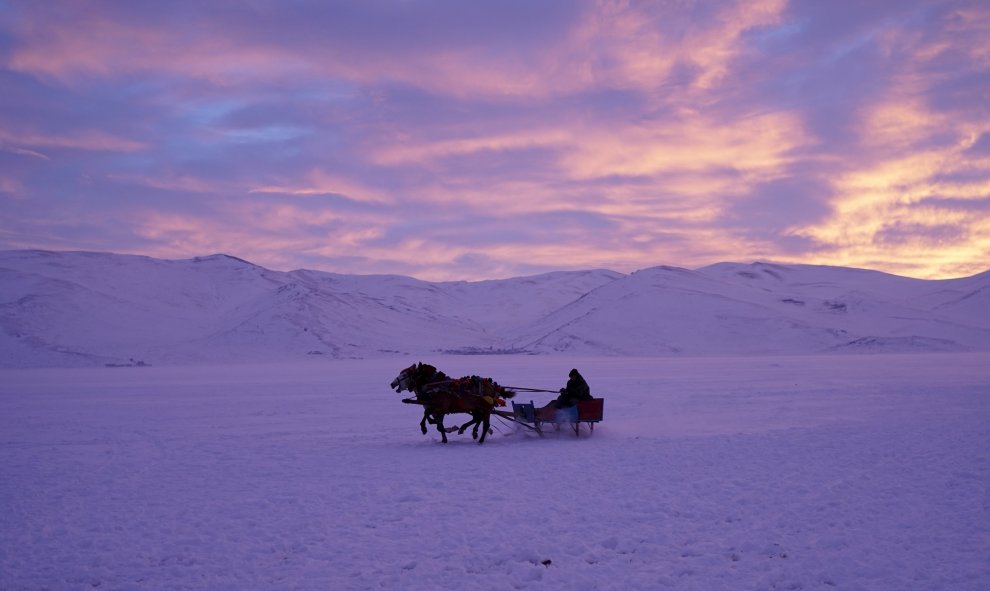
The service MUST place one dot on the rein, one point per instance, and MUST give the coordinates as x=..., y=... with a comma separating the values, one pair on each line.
x=519, y=389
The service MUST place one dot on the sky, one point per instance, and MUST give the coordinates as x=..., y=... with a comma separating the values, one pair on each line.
x=467, y=140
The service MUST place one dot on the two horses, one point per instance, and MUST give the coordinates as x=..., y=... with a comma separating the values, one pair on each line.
x=441, y=396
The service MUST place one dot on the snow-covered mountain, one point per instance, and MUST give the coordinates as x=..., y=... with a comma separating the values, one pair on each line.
x=75, y=308
x=732, y=308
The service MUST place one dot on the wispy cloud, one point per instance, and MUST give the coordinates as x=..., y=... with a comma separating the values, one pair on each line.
x=24, y=152
x=94, y=140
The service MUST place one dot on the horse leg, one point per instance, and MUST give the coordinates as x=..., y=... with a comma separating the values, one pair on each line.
x=443, y=432
x=484, y=428
x=464, y=427
x=422, y=424
x=477, y=424
x=452, y=429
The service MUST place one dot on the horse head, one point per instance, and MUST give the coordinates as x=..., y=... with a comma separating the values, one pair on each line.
x=415, y=376
x=401, y=381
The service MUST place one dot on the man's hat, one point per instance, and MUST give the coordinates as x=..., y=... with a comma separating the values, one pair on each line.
x=573, y=373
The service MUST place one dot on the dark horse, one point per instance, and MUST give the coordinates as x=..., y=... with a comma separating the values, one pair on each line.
x=420, y=379
x=441, y=396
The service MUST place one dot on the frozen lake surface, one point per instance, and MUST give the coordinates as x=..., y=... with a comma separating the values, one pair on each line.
x=834, y=472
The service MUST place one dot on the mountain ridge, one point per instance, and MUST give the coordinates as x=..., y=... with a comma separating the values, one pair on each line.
x=61, y=308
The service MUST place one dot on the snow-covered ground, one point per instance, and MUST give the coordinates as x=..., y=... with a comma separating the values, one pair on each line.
x=832, y=472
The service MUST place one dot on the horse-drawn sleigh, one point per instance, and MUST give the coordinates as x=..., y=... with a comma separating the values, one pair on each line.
x=537, y=418
x=440, y=395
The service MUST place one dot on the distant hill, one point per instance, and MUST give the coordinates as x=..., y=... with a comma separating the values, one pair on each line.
x=80, y=308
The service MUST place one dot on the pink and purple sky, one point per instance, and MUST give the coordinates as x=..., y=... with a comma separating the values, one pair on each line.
x=465, y=140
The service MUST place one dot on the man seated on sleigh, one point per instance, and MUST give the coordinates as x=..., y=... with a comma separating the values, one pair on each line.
x=564, y=408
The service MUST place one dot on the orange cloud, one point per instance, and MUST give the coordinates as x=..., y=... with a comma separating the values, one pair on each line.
x=639, y=45
x=614, y=44
x=756, y=145
x=889, y=194
x=172, y=182
x=321, y=182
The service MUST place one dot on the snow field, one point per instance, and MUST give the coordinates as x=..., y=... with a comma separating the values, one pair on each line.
x=708, y=473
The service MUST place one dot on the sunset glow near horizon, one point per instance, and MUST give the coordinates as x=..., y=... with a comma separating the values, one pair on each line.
x=472, y=140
